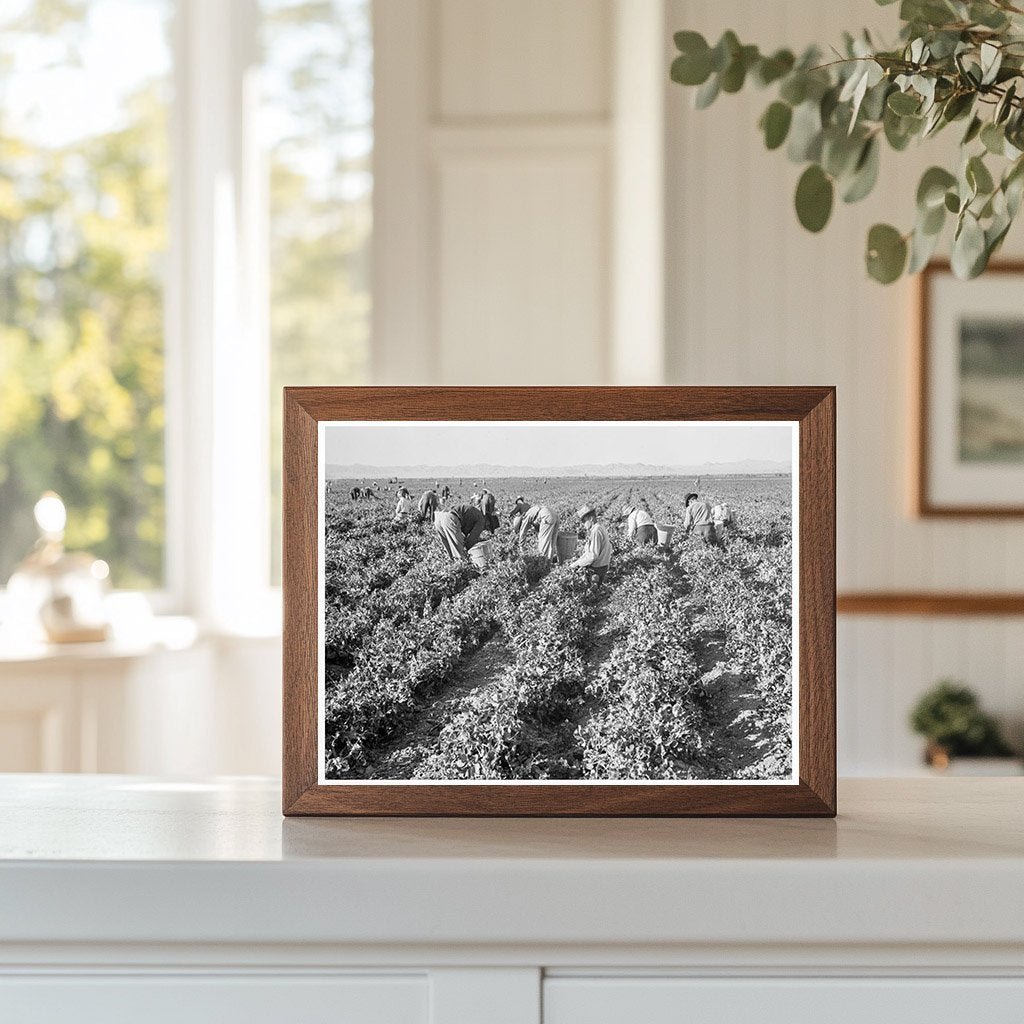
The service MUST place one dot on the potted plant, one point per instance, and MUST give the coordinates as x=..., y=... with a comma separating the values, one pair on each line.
x=950, y=717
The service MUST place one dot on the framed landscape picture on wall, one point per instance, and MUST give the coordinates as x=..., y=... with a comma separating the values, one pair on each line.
x=559, y=601
x=970, y=414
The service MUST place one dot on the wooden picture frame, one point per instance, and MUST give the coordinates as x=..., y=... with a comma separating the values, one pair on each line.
x=924, y=502
x=811, y=793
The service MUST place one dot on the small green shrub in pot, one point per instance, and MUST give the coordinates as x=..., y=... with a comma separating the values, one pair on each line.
x=950, y=717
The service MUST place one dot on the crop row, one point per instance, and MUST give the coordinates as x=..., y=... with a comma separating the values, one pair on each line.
x=495, y=732
x=651, y=721
x=413, y=593
x=745, y=596
x=397, y=669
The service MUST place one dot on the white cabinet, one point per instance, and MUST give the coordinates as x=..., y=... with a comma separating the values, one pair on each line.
x=199, y=999
x=173, y=704
x=831, y=1000
x=193, y=902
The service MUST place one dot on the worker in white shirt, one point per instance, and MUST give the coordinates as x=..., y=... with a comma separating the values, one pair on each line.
x=723, y=519
x=597, y=551
x=404, y=505
x=640, y=525
x=458, y=529
x=546, y=522
x=698, y=517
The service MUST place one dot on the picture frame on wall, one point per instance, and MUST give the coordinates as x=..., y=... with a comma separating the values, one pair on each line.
x=969, y=449
x=559, y=601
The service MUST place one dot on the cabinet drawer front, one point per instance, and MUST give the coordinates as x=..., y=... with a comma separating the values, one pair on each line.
x=198, y=999
x=783, y=1001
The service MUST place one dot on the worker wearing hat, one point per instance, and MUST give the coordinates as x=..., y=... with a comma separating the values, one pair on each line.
x=639, y=524
x=519, y=509
x=546, y=520
x=597, y=551
x=698, y=517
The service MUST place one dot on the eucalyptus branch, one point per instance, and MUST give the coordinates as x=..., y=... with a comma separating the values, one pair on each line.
x=955, y=61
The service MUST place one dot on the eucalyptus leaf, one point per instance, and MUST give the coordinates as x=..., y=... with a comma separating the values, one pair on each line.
x=1013, y=187
x=886, y=253
x=904, y=103
x=973, y=129
x=987, y=15
x=957, y=106
x=840, y=152
x=771, y=69
x=707, y=93
x=735, y=74
x=775, y=123
x=931, y=190
x=794, y=89
x=968, y=248
x=814, y=194
x=805, y=133
x=1005, y=106
x=922, y=248
x=978, y=176
x=991, y=60
x=993, y=138
x=865, y=174
x=690, y=70
x=931, y=221
x=725, y=49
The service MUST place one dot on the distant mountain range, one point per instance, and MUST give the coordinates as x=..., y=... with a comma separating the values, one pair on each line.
x=746, y=467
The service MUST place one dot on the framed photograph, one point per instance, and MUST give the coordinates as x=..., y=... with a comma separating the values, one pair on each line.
x=559, y=601
x=970, y=415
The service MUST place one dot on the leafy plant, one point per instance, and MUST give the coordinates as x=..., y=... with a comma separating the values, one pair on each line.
x=949, y=715
x=956, y=61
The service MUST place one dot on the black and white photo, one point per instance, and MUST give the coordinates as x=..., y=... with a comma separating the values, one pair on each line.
x=561, y=601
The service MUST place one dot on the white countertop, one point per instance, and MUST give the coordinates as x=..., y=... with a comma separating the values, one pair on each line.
x=118, y=859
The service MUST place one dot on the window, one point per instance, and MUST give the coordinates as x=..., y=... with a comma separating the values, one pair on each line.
x=83, y=235
x=167, y=264
x=317, y=121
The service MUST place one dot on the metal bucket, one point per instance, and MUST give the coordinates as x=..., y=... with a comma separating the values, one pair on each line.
x=664, y=533
x=565, y=546
x=480, y=554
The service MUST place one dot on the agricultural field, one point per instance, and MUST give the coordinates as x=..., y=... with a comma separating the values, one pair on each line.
x=678, y=667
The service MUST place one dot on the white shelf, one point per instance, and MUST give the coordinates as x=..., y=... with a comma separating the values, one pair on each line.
x=124, y=860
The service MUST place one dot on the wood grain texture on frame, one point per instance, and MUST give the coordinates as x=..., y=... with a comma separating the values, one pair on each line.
x=921, y=502
x=812, y=407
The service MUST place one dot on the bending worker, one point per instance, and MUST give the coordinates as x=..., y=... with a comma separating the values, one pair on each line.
x=546, y=522
x=404, y=504
x=698, y=517
x=519, y=509
x=459, y=529
x=597, y=552
x=487, y=503
x=640, y=525
x=428, y=504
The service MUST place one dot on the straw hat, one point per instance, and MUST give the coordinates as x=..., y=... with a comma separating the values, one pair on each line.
x=585, y=510
x=626, y=509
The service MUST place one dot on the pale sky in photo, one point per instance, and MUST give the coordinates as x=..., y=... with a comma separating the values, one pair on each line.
x=547, y=446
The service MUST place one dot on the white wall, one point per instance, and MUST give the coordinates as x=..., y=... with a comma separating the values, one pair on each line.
x=754, y=299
